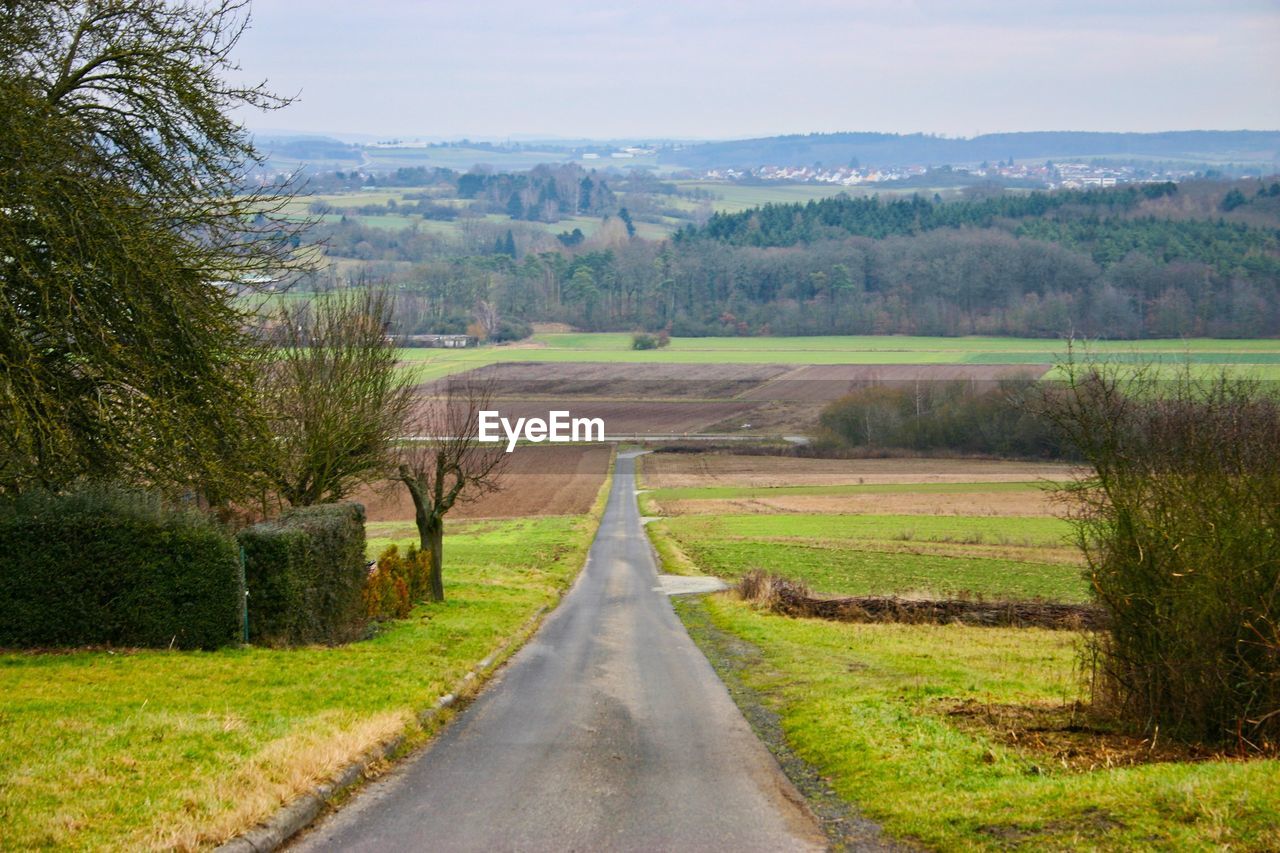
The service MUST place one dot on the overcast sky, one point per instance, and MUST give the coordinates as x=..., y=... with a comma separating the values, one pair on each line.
x=736, y=68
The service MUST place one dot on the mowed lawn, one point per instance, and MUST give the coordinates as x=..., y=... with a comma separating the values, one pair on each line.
x=877, y=710
x=158, y=749
x=914, y=555
x=1259, y=358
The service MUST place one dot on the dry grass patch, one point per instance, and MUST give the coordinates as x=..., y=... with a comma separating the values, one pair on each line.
x=1066, y=736
x=282, y=771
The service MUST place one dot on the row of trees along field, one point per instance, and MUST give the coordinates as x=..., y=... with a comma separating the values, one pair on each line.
x=1161, y=260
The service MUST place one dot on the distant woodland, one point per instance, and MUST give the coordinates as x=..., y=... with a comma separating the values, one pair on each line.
x=1153, y=260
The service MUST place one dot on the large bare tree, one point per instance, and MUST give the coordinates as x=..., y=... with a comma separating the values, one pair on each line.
x=444, y=463
x=128, y=223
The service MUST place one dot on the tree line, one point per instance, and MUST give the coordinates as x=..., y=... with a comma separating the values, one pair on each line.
x=1150, y=261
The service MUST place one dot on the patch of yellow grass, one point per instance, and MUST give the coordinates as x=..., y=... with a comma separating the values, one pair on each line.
x=282, y=771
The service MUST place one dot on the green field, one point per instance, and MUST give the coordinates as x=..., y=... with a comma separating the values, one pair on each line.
x=132, y=749
x=1259, y=358
x=725, y=197
x=961, y=529
x=935, y=557
x=867, y=707
x=347, y=205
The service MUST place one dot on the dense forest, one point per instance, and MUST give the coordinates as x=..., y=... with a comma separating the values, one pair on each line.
x=1156, y=260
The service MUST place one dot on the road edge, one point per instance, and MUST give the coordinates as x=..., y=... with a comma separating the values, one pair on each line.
x=300, y=812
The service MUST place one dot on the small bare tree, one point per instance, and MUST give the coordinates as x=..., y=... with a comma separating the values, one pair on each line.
x=445, y=463
x=336, y=395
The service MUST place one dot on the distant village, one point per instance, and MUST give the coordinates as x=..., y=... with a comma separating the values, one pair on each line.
x=1049, y=175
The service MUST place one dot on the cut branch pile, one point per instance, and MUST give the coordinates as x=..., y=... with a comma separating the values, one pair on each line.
x=790, y=598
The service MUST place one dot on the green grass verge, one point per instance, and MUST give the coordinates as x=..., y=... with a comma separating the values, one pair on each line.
x=861, y=703
x=884, y=555
x=129, y=749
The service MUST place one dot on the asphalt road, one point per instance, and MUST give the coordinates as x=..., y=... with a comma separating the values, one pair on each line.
x=607, y=731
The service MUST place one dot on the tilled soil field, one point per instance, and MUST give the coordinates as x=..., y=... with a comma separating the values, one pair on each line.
x=602, y=380
x=539, y=480
x=674, y=399
x=1021, y=503
x=684, y=470
x=634, y=417
x=824, y=382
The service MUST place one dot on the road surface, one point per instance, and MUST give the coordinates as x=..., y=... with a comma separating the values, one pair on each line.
x=607, y=731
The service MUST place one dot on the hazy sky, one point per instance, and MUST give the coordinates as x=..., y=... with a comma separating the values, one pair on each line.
x=733, y=68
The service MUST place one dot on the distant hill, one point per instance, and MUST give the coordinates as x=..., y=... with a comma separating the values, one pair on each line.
x=307, y=148
x=1242, y=147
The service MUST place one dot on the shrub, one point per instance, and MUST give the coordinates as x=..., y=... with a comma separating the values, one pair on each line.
x=1180, y=528
x=645, y=340
x=108, y=566
x=397, y=582
x=957, y=416
x=385, y=595
x=510, y=330
x=305, y=573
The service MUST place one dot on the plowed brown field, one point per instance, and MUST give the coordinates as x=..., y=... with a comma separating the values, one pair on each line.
x=823, y=382
x=682, y=470
x=667, y=399
x=1021, y=503
x=539, y=480
x=527, y=380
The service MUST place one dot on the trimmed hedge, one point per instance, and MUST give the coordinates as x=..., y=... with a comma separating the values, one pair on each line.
x=114, y=567
x=305, y=572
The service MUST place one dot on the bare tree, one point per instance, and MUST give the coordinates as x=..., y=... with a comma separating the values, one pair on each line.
x=337, y=398
x=445, y=463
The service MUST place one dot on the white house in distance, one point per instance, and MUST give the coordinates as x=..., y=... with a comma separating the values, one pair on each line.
x=437, y=341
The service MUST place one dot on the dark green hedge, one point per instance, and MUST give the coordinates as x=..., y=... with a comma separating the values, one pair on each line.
x=107, y=566
x=305, y=572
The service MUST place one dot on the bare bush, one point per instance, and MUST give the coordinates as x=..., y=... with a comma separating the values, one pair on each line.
x=1180, y=529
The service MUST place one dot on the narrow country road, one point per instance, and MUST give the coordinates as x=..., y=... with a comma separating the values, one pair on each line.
x=607, y=731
